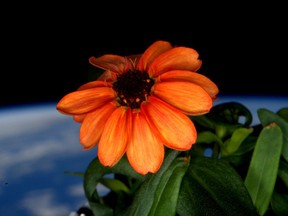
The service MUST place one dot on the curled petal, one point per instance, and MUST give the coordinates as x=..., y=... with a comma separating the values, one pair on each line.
x=108, y=76
x=93, y=125
x=114, y=63
x=152, y=53
x=188, y=76
x=113, y=141
x=145, y=152
x=176, y=129
x=79, y=118
x=178, y=58
x=80, y=102
x=94, y=84
x=186, y=96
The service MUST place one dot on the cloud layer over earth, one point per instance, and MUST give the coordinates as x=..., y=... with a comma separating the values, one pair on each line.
x=38, y=145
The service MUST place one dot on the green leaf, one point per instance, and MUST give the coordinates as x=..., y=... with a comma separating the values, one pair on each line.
x=279, y=204
x=266, y=117
x=283, y=113
x=242, y=155
x=231, y=112
x=114, y=185
x=123, y=167
x=283, y=172
x=208, y=137
x=93, y=175
x=263, y=168
x=74, y=173
x=212, y=187
x=145, y=196
x=204, y=121
x=232, y=144
x=166, y=195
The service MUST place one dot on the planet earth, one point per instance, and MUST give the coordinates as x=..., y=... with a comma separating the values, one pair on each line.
x=39, y=146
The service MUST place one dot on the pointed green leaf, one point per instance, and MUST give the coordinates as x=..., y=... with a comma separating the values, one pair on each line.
x=74, y=173
x=266, y=117
x=263, y=168
x=208, y=137
x=243, y=154
x=114, y=185
x=213, y=187
x=94, y=172
x=232, y=144
x=166, y=195
x=145, y=196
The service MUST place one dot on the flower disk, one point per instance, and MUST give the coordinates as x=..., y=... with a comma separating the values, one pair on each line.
x=133, y=87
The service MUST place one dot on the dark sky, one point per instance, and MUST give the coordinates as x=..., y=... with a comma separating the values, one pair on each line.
x=45, y=51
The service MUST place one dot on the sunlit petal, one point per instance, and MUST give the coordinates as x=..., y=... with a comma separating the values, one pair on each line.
x=152, y=53
x=116, y=133
x=80, y=102
x=145, y=152
x=94, y=84
x=178, y=58
x=175, y=128
x=93, y=125
x=115, y=63
x=199, y=79
x=186, y=96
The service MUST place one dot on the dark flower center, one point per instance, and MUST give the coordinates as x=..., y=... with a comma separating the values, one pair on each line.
x=133, y=87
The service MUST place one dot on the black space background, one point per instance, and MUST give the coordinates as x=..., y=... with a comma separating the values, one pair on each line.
x=45, y=47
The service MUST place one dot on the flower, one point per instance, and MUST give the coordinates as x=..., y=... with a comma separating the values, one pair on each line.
x=140, y=104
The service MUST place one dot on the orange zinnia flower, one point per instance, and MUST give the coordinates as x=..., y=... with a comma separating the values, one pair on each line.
x=140, y=104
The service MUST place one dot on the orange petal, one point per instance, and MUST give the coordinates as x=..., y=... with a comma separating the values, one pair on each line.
x=178, y=58
x=114, y=63
x=175, y=128
x=79, y=118
x=145, y=152
x=94, y=84
x=186, y=96
x=152, y=53
x=199, y=79
x=113, y=141
x=93, y=125
x=80, y=102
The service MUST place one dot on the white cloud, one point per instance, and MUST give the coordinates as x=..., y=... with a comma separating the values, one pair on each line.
x=76, y=190
x=25, y=159
x=42, y=203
